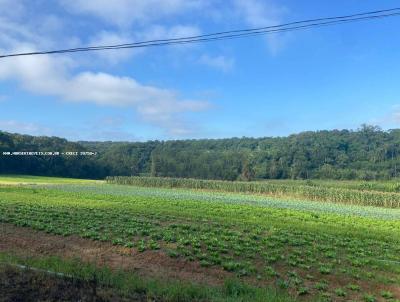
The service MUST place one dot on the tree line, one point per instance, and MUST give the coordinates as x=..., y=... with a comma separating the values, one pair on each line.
x=366, y=153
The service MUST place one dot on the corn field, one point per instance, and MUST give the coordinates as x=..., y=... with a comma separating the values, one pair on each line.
x=319, y=193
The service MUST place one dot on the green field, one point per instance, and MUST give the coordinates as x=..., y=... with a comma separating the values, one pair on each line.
x=378, y=194
x=313, y=249
x=29, y=179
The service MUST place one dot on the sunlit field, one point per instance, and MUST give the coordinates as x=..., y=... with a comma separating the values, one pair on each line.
x=297, y=238
x=28, y=179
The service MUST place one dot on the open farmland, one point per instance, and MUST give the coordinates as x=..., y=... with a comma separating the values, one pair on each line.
x=310, y=246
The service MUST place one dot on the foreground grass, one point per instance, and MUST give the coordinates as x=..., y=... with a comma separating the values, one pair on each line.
x=309, y=254
x=30, y=179
x=128, y=285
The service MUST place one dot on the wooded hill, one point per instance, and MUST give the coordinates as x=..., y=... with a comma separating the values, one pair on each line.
x=367, y=153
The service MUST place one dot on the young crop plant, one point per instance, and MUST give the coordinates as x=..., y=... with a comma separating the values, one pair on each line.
x=270, y=271
x=369, y=298
x=322, y=285
x=340, y=292
x=303, y=291
x=387, y=294
x=324, y=269
x=353, y=287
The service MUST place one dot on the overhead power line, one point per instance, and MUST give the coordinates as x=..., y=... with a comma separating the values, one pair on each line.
x=232, y=34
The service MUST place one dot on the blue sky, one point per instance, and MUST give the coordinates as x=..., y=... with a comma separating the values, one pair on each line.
x=326, y=78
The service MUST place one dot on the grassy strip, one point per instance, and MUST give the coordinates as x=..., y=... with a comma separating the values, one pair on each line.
x=321, y=193
x=129, y=284
x=30, y=179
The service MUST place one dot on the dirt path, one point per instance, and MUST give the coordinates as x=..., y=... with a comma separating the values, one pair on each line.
x=28, y=242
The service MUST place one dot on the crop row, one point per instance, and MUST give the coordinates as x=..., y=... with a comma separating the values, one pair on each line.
x=230, y=198
x=319, y=193
x=361, y=185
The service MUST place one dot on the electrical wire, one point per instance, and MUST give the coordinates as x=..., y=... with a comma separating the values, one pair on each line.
x=292, y=26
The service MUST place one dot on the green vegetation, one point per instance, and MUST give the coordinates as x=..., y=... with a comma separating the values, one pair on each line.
x=29, y=179
x=292, y=189
x=368, y=154
x=129, y=285
x=280, y=202
x=381, y=186
x=310, y=251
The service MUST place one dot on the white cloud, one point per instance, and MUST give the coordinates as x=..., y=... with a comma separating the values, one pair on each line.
x=257, y=13
x=45, y=31
x=24, y=128
x=390, y=119
x=105, y=38
x=52, y=76
x=125, y=12
x=393, y=116
x=11, y=33
x=12, y=8
x=66, y=77
x=219, y=62
x=89, y=133
x=105, y=135
x=156, y=32
x=114, y=130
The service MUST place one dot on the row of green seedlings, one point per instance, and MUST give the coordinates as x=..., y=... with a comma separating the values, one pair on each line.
x=190, y=249
x=320, y=193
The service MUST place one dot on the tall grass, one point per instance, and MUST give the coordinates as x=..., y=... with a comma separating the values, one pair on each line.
x=382, y=186
x=311, y=192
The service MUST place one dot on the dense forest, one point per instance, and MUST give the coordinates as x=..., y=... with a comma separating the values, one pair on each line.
x=366, y=153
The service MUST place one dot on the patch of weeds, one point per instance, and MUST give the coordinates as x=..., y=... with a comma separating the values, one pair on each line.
x=340, y=292
x=325, y=270
x=281, y=283
x=154, y=245
x=141, y=247
x=322, y=285
x=303, y=291
x=118, y=241
x=269, y=270
x=205, y=263
x=172, y=253
x=129, y=244
x=353, y=287
x=330, y=254
x=231, y=266
x=326, y=297
x=387, y=294
x=369, y=298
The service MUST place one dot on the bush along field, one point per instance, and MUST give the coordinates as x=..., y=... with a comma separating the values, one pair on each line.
x=322, y=251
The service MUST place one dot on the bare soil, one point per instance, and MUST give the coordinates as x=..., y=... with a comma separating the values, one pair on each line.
x=28, y=242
